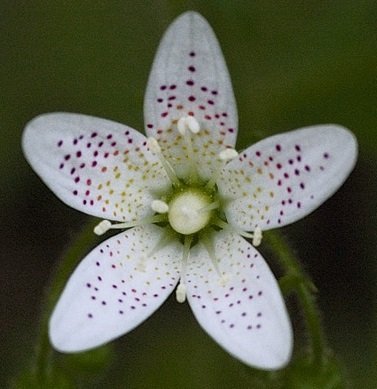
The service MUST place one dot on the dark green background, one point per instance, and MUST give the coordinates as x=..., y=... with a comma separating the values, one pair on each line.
x=293, y=63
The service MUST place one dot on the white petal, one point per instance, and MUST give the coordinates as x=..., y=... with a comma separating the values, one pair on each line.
x=189, y=77
x=95, y=165
x=285, y=177
x=116, y=287
x=240, y=305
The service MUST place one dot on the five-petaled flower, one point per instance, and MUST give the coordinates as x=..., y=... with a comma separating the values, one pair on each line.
x=186, y=201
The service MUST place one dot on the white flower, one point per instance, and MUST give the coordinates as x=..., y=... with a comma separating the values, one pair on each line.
x=186, y=200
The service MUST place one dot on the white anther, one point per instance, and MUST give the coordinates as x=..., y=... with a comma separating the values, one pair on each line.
x=181, y=125
x=192, y=124
x=180, y=292
x=153, y=145
x=160, y=206
x=228, y=154
x=257, y=237
x=102, y=227
x=188, y=122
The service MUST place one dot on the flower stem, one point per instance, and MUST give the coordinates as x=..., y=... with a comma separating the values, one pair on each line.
x=303, y=287
x=43, y=352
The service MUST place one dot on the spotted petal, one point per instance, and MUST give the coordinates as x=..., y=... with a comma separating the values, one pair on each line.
x=285, y=177
x=117, y=286
x=189, y=77
x=243, y=309
x=95, y=165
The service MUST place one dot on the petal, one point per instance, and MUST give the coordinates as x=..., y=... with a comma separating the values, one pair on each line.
x=95, y=165
x=285, y=177
x=189, y=77
x=246, y=315
x=117, y=286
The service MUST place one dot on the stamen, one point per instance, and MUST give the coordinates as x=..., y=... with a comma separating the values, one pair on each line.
x=188, y=122
x=106, y=225
x=160, y=206
x=192, y=124
x=181, y=126
x=153, y=145
x=141, y=265
x=208, y=244
x=162, y=242
x=191, y=158
x=257, y=237
x=186, y=248
x=224, y=279
x=102, y=227
x=180, y=292
x=226, y=226
x=209, y=207
x=228, y=154
x=225, y=156
x=156, y=149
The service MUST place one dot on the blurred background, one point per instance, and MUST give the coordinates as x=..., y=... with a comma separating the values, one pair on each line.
x=292, y=64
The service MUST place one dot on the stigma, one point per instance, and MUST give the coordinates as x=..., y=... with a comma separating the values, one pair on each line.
x=189, y=211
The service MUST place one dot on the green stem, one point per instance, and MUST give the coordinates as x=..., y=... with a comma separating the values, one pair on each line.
x=304, y=288
x=43, y=353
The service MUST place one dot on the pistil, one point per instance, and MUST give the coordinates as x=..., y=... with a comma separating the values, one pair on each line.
x=187, y=212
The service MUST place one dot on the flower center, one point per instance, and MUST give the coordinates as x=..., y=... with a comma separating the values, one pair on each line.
x=191, y=200
x=190, y=211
